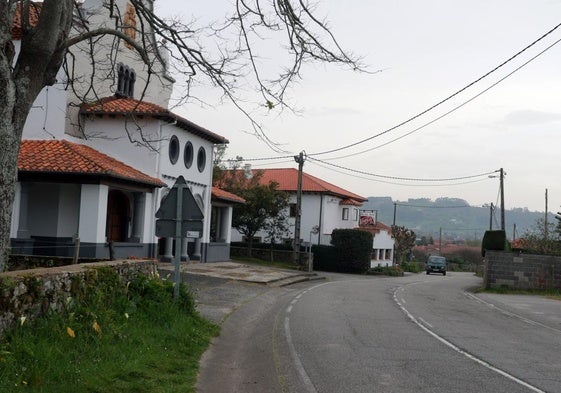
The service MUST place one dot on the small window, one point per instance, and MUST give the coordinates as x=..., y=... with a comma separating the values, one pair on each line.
x=345, y=215
x=173, y=149
x=355, y=214
x=292, y=208
x=201, y=159
x=188, y=155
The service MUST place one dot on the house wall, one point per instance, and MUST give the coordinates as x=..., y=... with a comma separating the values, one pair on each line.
x=68, y=210
x=522, y=271
x=382, y=249
x=315, y=206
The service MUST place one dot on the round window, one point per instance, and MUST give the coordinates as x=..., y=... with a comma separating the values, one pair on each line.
x=201, y=159
x=173, y=149
x=188, y=155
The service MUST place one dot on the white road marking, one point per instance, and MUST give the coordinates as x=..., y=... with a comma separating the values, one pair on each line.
x=511, y=314
x=310, y=388
x=462, y=352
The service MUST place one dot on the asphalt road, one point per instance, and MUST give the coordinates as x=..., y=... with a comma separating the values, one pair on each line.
x=378, y=334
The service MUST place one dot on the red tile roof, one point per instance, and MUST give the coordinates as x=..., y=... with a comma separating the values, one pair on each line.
x=67, y=158
x=375, y=229
x=287, y=179
x=34, y=11
x=350, y=202
x=124, y=106
x=220, y=194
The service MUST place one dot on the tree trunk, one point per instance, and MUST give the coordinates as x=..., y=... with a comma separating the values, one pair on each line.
x=9, y=142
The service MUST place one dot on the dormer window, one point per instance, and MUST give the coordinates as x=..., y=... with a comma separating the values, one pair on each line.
x=126, y=80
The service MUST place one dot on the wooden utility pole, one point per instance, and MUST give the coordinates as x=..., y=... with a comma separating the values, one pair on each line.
x=502, y=200
x=545, y=219
x=300, y=158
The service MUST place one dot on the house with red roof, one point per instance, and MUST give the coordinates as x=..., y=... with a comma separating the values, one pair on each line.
x=325, y=206
x=383, y=242
x=97, y=159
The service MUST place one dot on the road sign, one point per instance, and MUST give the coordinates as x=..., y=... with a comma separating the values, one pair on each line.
x=191, y=216
x=166, y=228
x=190, y=207
x=179, y=216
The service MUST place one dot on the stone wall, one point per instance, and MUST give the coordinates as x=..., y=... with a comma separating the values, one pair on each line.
x=30, y=293
x=522, y=271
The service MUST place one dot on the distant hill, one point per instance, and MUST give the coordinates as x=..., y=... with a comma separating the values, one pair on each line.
x=455, y=216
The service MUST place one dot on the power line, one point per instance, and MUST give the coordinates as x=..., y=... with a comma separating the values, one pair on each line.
x=395, y=183
x=458, y=178
x=451, y=110
x=432, y=207
x=449, y=97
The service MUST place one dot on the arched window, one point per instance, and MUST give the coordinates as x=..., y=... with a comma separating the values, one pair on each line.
x=125, y=83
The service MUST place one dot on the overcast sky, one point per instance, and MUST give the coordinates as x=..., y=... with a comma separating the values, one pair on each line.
x=427, y=50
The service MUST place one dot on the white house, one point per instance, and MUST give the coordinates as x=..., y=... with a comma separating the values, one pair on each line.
x=324, y=205
x=97, y=172
x=383, y=243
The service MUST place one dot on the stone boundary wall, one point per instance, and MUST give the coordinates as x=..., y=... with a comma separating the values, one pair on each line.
x=522, y=271
x=31, y=293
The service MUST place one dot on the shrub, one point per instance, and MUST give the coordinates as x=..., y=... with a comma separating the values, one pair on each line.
x=393, y=271
x=412, y=267
x=325, y=258
x=494, y=240
x=353, y=248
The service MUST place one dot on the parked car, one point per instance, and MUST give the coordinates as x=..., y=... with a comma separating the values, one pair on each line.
x=436, y=264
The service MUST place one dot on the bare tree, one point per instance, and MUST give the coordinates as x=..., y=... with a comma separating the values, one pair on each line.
x=53, y=35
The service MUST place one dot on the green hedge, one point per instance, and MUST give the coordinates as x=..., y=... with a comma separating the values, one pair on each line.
x=353, y=249
x=494, y=240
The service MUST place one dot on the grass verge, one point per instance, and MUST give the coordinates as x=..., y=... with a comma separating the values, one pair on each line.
x=554, y=294
x=112, y=337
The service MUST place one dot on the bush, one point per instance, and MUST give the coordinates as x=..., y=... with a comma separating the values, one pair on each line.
x=353, y=248
x=413, y=267
x=394, y=271
x=494, y=240
x=325, y=258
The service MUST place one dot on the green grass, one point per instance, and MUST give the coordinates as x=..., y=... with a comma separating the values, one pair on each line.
x=554, y=294
x=127, y=338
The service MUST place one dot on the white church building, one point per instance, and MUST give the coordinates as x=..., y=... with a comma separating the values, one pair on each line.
x=97, y=172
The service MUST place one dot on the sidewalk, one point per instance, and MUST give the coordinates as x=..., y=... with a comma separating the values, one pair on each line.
x=220, y=288
x=242, y=272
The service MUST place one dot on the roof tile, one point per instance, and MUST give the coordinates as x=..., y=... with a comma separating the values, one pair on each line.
x=126, y=106
x=218, y=193
x=64, y=157
x=287, y=179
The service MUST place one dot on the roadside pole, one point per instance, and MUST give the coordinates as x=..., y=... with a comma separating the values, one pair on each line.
x=177, y=237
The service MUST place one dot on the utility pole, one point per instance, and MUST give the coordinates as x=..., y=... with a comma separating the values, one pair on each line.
x=394, y=212
x=300, y=158
x=491, y=217
x=502, y=200
x=545, y=219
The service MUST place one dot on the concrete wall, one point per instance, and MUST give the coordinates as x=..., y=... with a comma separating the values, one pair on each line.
x=522, y=271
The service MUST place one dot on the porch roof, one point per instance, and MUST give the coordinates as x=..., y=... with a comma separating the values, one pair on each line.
x=125, y=106
x=61, y=157
x=220, y=194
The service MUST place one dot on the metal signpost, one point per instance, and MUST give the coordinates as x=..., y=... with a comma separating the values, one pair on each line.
x=179, y=216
